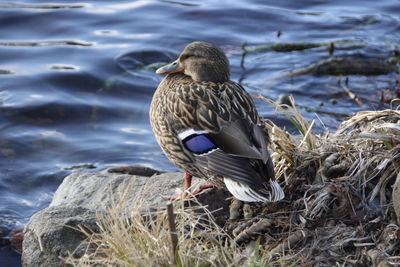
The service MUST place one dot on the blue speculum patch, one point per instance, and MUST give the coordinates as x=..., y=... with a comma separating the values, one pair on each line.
x=199, y=144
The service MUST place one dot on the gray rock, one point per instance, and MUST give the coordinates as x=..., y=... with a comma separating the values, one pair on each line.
x=97, y=190
x=52, y=234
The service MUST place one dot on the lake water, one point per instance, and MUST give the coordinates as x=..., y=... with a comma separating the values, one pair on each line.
x=76, y=78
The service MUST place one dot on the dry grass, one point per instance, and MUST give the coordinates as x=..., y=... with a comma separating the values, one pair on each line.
x=141, y=237
x=338, y=209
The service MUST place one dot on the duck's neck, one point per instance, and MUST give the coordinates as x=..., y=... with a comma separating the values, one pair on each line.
x=209, y=71
x=210, y=74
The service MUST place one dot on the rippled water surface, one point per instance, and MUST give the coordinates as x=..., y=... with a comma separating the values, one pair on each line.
x=76, y=78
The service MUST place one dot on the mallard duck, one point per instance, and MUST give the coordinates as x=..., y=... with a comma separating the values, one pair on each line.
x=208, y=125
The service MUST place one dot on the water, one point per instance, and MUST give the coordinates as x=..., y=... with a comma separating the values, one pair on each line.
x=75, y=81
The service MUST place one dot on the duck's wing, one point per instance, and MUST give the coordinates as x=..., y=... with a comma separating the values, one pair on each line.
x=225, y=111
x=220, y=129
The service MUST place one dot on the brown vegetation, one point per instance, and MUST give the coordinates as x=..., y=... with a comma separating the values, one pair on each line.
x=338, y=209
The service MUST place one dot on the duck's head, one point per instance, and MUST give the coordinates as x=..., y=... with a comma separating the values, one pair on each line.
x=202, y=62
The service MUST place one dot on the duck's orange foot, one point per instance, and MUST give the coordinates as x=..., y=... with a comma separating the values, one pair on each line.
x=179, y=194
x=198, y=190
x=187, y=194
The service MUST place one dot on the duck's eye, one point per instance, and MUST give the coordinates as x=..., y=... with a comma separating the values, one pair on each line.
x=186, y=56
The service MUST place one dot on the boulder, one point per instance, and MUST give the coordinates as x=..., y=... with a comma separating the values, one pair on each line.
x=52, y=234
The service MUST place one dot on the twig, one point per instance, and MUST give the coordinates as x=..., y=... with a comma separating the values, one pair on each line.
x=351, y=94
x=255, y=229
x=383, y=137
x=331, y=48
x=172, y=229
x=289, y=242
x=244, y=53
x=306, y=139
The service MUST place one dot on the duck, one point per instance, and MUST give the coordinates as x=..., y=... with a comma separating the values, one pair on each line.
x=208, y=126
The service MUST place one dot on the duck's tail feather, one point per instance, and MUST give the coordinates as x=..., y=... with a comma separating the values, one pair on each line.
x=276, y=191
x=243, y=192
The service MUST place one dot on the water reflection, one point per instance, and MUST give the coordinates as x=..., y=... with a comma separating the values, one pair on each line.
x=41, y=6
x=77, y=79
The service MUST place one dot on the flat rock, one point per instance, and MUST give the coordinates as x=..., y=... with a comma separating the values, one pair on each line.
x=52, y=233
x=97, y=190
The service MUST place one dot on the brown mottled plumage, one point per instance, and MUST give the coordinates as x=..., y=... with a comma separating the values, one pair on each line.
x=208, y=125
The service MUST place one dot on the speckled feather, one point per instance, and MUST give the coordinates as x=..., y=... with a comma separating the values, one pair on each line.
x=179, y=104
x=226, y=112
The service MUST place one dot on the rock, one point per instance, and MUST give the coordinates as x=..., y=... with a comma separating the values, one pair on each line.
x=16, y=238
x=97, y=190
x=52, y=234
x=396, y=198
x=137, y=170
x=350, y=65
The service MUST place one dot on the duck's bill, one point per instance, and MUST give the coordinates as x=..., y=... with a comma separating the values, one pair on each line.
x=170, y=68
